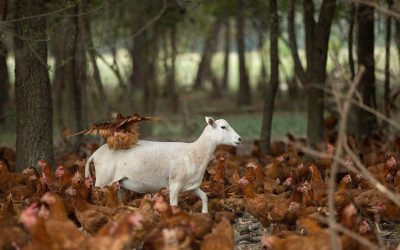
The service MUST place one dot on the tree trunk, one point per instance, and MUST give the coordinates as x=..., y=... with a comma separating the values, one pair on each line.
x=150, y=93
x=4, y=78
x=3, y=9
x=351, y=40
x=387, y=60
x=93, y=56
x=138, y=56
x=263, y=72
x=32, y=86
x=225, y=78
x=366, y=122
x=309, y=26
x=398, y=39
x=317, y=41
x=171, y=71
x=313, y=78
x=62, y=72
x=244, y=93
x=215, y=85
x=298, y=67
x=76, y=94
x=208, y=52
x=265, y=140
x=80, y=65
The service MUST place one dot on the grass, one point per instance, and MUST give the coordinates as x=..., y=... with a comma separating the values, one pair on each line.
x=248, y=126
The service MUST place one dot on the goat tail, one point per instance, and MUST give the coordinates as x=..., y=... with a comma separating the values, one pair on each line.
x=87, y=167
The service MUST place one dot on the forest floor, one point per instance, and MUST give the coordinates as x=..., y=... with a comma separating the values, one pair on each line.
x=248, y=232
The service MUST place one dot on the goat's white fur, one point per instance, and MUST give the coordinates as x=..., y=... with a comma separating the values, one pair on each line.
x=152, y=165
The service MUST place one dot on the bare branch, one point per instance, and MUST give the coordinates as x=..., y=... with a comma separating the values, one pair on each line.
x=378, y=8
x=150, y=22
x=344, y=112
x=361, y=169
x=350, y=233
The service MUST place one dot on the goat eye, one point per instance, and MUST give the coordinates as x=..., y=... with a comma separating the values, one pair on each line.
x=223, y=127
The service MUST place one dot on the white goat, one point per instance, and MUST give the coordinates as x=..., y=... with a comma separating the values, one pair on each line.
x=152, y=165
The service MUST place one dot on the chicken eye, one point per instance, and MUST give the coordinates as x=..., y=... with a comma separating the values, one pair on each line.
x=223, y=127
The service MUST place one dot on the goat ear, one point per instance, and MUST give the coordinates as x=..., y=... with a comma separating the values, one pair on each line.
x=210, y=121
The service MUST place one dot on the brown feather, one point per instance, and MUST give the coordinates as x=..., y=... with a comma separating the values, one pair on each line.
x=122, y=133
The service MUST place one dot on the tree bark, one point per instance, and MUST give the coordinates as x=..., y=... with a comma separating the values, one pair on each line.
x=398, y=39
x=75, y=75
x=80, y=66
x=350, y=40
x=63, y=73
x=32, y=86
x=317, y=40
x=93, y=56
x=208, y=52
x=227, y=47
x=387, y=60
x=313, y=78
x=170, y=86
x=138, y=55
x=4, y=77
x=150, y=93
x=309, y=26
x=262, y=82
x=138, y=58
x=244, y=93
x=298, y=67
x=215, y=84
x=366, y=122
x=265, y=140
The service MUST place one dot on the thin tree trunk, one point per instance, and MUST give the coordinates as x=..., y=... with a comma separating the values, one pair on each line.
x=227, y=46
x=92, y=56
x=387, y=60
x=150, y=93
x=3, y=9
x=139, y=58
x=61, y=74
x=366, y=122
x=208, y=52
x=265, y=140
x=167, y=68
x=350, y=40
x=171, y=71
x=298, y=67
x=244, y=93
x=32, y=86
x=309, y=26
x=398, y=39
x=4, y=78
x=81, y=63
x=263, y=74
x=79, y=75
x=215, y=84
x=317, y=41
